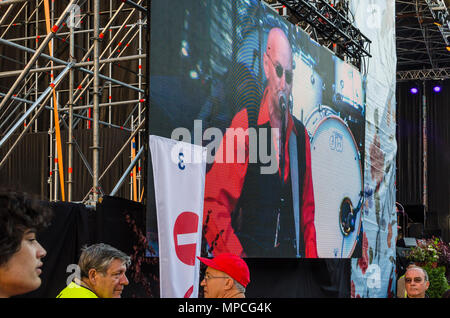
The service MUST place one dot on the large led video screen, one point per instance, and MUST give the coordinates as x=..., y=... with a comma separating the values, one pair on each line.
x=283, y=121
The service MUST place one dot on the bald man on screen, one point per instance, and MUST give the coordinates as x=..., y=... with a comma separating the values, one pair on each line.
x=256, y=214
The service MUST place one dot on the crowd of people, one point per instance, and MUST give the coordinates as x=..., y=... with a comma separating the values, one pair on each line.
x=103, y=267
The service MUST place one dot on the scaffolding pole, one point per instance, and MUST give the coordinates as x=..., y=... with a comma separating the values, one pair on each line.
x=106, y=78
x=42, y=99
x=95, y=133
x=6, y=2
x=76, y=65
x=37, y=54
x=70, y=132
x=80, y=99
x=126, y=173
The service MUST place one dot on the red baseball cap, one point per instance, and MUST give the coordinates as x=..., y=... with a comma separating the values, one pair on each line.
x=230, y=264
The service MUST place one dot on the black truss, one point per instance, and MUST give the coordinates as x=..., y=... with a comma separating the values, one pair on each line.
x=332, y=26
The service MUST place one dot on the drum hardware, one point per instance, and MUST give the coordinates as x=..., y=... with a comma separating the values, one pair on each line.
x=321, y=112
x=347, y=214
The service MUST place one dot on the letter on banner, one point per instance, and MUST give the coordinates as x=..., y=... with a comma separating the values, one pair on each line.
x=179, y=174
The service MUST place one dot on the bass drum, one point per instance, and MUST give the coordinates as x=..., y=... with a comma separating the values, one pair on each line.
x=337, y=181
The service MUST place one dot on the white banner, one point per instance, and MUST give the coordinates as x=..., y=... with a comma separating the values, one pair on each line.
x=373, y=275
x=179, y=176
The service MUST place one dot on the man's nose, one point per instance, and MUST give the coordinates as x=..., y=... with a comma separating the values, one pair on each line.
x=124, y=280
x=283, y=83
x=203, y=282
x=41, y=252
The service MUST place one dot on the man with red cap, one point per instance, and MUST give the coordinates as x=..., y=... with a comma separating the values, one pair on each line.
x=226, y=276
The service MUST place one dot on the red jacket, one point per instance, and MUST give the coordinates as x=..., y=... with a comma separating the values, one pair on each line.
x=224, y=183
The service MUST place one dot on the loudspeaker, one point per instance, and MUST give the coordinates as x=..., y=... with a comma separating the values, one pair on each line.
x=409, y=241
x=415, y=212
x=406, y=243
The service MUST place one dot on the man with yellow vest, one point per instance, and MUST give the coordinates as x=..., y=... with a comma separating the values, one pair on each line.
x=102, y=269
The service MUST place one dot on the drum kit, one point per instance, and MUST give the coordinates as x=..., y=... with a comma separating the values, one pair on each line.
x=335, y=158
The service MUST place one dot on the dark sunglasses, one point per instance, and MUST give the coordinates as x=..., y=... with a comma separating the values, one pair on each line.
x=416, y=280
x=279, y=70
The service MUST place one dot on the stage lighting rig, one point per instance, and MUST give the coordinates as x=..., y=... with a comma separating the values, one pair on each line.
x=330, y=20
x=441, y=17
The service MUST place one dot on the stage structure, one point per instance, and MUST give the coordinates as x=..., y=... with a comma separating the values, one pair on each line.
x=439, y=11
x=212, y=79
x=373, y=275
x=422, y=75
x=422, y=34
x=72, y=66
x=84, y=62
x=331, y=24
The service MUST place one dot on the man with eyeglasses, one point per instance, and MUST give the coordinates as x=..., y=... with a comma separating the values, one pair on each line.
x=255, y=214
x=226, y=276
x=416, y=282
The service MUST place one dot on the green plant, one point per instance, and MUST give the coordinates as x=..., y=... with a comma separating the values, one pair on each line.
x=438, y=281
x=426, y=251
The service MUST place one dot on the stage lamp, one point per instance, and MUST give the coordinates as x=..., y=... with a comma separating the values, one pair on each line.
x=436, y=88
x=414, y=90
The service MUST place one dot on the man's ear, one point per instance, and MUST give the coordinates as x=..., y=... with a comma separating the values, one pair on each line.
x=92, y=275
x=427, y=285
x=229, y=283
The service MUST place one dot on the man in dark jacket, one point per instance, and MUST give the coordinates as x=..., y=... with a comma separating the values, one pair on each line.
x=247, y=211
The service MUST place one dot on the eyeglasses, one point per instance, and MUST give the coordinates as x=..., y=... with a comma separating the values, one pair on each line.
x=416, y=280
x=208, y=277
x=279, y=70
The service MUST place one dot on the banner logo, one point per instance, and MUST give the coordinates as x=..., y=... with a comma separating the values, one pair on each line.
x=181, y=161
x=185, y=237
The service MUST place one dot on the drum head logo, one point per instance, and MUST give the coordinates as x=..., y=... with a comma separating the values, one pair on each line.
x=185, y=237
x=336, y=142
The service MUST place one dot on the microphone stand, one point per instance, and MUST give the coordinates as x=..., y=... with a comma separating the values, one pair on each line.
x=282, y=103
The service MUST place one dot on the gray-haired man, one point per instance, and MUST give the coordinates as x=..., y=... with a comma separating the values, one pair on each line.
x=416, y=282
x=102, y=269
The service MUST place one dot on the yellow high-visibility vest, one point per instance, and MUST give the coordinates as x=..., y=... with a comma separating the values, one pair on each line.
x=76, y=291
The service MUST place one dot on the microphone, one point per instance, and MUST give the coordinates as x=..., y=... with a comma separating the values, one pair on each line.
x=282, y=100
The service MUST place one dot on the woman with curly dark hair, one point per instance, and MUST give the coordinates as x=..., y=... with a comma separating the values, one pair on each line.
x=21, y=216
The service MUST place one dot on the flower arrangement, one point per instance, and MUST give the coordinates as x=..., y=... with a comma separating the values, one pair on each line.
x=425, y=252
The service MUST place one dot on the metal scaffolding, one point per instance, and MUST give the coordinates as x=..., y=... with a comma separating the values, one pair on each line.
x=64, y=58
x=421, y=35
x=428, y=74
x=330, y=23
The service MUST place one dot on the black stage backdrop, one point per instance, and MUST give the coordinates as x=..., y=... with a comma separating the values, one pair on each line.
x=410, y=151
x=121, y=223
x=28, y=167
